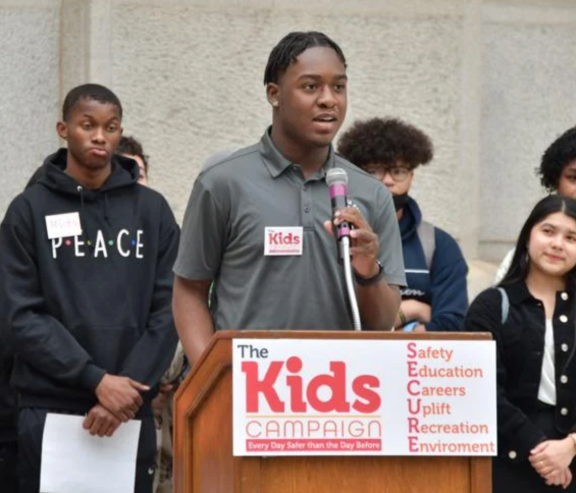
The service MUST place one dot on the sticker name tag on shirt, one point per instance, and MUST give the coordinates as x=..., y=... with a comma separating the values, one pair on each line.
x=63, y=225
x=283, y=240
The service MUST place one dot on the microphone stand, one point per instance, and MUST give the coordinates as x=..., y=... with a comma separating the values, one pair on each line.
x=345, y=245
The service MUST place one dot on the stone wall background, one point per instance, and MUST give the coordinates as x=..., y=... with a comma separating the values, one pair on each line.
x=492, y=83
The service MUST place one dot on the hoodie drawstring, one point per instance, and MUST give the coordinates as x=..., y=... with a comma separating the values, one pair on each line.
x=85, y=235
x=106, y=218
x=82, y=222
x=81, y=192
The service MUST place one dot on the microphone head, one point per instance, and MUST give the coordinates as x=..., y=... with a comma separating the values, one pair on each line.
x=336, y=176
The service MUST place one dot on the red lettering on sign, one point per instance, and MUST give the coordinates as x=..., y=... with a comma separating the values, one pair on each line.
x=301, y=396
x=264, y=386
x=283, y=239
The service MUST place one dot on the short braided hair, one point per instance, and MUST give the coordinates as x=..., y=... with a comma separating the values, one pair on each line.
x=292, y=45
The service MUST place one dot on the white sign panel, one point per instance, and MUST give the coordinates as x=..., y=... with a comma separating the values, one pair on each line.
x=358, y=397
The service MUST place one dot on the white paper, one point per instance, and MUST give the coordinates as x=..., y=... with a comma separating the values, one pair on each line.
x=74, y=461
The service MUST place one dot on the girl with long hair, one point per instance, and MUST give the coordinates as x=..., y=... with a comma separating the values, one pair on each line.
x=531, y=315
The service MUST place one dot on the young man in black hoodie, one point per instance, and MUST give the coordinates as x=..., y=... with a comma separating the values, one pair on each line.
x=85, y=258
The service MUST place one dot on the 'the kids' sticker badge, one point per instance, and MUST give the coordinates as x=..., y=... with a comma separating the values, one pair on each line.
x=282, y=241
x=63, y=225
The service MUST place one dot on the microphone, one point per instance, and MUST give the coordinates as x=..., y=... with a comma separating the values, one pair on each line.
x=337, y=180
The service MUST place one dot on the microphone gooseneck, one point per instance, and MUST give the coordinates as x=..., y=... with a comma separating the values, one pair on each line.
x=337, y=180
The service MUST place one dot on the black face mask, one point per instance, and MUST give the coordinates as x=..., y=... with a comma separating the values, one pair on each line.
x=400, y=201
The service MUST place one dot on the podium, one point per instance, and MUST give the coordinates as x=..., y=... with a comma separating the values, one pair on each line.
x=203, y=460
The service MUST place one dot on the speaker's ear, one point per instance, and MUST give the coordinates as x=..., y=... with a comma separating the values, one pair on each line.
x=273, y=94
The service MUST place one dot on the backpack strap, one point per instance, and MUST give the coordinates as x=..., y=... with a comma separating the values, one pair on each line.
x=427, y=237
x=505, y=306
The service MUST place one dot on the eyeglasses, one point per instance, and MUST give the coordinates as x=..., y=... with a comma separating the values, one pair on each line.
x=397, y=173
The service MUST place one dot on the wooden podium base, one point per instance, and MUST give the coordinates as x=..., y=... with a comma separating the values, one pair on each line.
x=203, y=461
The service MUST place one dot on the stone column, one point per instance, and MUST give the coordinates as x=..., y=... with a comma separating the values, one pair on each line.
x=86, y=41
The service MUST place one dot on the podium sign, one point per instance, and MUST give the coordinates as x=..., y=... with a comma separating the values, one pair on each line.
x=364, y=397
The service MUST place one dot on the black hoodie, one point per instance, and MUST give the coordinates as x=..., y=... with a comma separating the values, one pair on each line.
x=99, y=302
x=7, y=404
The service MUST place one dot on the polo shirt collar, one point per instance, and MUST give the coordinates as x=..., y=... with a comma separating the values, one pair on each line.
x=276, y=163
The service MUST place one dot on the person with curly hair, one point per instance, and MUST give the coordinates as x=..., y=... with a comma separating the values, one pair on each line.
x=435, y=298
x=557, y=174
x=558, y=166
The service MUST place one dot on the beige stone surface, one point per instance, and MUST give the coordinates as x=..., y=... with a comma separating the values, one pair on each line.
x=490, y=82
x=480, y=277
x=527, y=102
x=29, y=88
x=204, y=91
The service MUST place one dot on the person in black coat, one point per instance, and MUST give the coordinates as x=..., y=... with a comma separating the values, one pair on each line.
x=531, y=315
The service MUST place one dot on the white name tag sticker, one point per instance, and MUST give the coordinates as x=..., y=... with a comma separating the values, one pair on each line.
x=279, y=241
x=63, y=225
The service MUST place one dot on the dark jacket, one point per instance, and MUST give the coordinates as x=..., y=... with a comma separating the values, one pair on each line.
x=444, y=286
x=520, y=350
x=7, y=397
x=98, y=302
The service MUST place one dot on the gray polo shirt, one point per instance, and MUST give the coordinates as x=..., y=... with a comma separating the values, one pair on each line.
x=223, y=239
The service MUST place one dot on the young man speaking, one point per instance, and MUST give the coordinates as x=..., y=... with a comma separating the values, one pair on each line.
x=279, y=186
